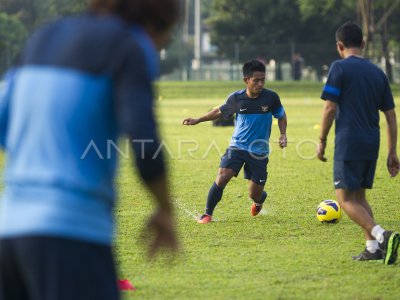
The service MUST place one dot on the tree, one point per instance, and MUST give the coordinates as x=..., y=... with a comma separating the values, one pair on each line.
x=12, y=36
x=278, y=29
x=178, y=54
x=18, y=18
x=380, y=20
x=374, y=16
x=33, y=13
x=320, y=19
x=259, y=28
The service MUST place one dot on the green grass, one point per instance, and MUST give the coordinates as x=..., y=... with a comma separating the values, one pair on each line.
x=283, y=254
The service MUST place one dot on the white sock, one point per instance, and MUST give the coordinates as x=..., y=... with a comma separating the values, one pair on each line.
x=372, y=245
x=377, y=232
x=257, y=204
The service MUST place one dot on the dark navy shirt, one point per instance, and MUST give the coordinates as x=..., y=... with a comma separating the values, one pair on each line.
x=253, y=119
x=83, y=81
x=360, y=89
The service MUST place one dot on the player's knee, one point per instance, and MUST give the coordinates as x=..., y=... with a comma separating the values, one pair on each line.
x=222, y=181
x=223, y=178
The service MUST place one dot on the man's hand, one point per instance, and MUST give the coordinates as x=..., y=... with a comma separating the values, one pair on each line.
x=321, y=150
x=393, y=164
x=160, y=233
x=283, y=140
x=190, y=121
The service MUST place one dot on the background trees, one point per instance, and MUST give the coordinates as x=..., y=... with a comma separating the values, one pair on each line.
x=240, y=29
x=12, y=36
x=278, y=29
x=18, y=18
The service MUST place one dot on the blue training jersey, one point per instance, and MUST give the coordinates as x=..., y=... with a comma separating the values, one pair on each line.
x=360, y=89
x=253, y=119
x=83, y=81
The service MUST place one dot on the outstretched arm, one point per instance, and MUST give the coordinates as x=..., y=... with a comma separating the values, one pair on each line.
x=282, y=123
x=211, y=115
x=328, y=115
x=393, y=164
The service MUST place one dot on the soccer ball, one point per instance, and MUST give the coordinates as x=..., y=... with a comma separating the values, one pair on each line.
x=329, y=211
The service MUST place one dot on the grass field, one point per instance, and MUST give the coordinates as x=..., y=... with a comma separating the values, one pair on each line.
x=283, y=253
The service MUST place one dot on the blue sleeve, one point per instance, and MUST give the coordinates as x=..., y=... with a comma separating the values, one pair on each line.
x=229, y=107
x=134, y=98
x=333, y=87
x=277, y=110
x=279, y=113
x=387, y=99
x=5, y=94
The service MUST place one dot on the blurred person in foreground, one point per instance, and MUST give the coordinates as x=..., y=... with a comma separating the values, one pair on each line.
x=83, y=81
x=354, y=93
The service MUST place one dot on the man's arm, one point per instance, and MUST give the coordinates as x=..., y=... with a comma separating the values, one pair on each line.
x=134, y=109
x=161, y=223
x=328, y=115
x=211, y=115
x=393, y=164
x=282, y=123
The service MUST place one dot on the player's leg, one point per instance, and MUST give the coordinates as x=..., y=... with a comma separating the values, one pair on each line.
x=256, y=192
x=350, y=192
x=358, y=209
x=231, y=163
x=258, y=195
x=388, y=241
x=355, y=208
x=351, y=179
x=361, y=196
x=217, y=189
x=255, y=170
x=64, y=269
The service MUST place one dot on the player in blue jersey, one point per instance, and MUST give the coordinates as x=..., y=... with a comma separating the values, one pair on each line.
x=83, y=81
x=254, y=107
x=354, y=93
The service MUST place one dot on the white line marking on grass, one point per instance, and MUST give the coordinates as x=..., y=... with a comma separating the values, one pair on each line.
x=196, y=215
x=179, y=204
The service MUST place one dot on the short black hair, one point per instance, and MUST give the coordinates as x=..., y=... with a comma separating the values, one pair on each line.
x=252, y=66
x=350, y=34
x=161, y=14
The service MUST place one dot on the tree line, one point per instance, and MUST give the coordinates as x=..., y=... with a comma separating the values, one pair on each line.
x=279, y=28
x=19, y=18
x=259, y=28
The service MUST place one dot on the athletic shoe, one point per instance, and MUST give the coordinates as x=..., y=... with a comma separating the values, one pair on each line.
x=204, y=219
x=366, y=255
x=389, y=246
x=255, y=209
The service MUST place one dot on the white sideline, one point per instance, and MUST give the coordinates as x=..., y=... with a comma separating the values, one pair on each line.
x=179, y=204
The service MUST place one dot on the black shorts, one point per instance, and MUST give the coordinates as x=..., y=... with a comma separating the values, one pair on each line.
x=255, y=166
x=47, y=268
x=354, y=175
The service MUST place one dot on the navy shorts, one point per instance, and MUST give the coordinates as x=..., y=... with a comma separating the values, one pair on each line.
x=255, y=166
x=354, y=175
x=47, y=268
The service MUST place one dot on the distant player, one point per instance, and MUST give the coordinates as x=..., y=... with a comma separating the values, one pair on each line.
x=254, y=108
x=354, y=93
x=83, y=82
